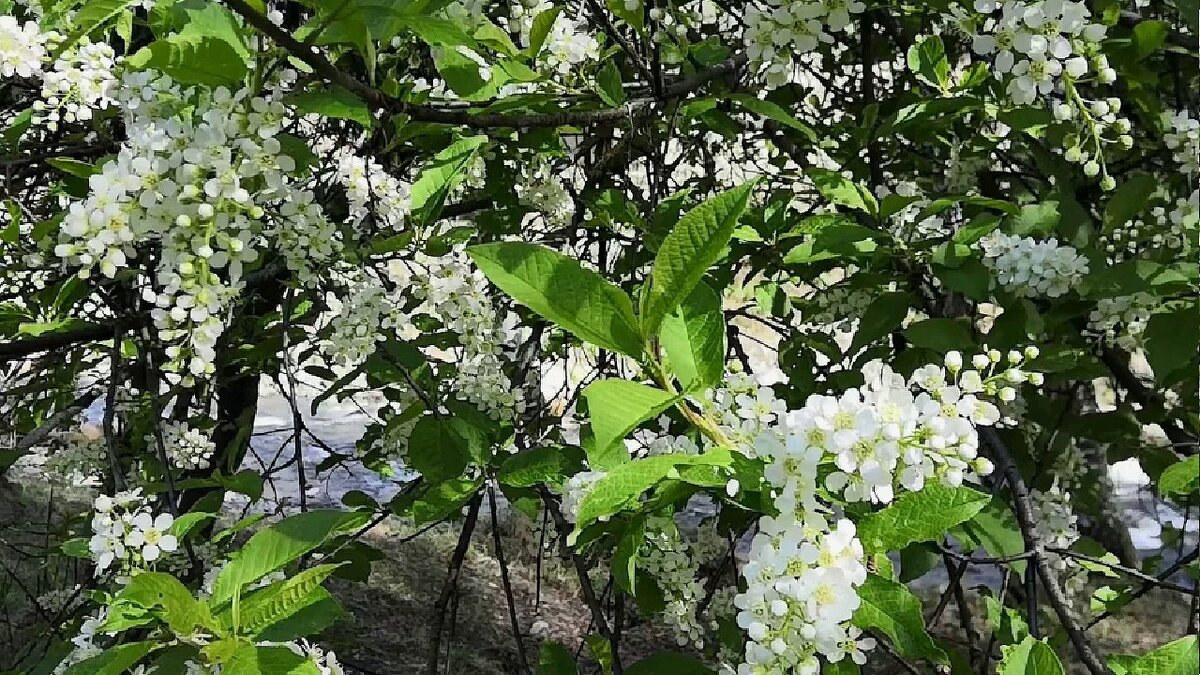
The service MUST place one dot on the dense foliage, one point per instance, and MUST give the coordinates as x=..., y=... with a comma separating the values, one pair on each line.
x=882, y=286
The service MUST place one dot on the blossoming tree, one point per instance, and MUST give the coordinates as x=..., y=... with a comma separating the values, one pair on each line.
x=873, y=287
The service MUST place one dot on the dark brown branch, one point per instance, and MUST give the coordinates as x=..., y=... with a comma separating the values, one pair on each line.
x=57, y=420
x=451, y=584
x=1025, y=520
x=508, y=594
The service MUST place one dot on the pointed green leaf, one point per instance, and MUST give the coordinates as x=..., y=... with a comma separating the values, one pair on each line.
x=563, y=291
x=1030, y=657
x=693, y=245
x=616, y=408
x=694, y=339
x=889, y=607
x=919, y=516
x=441, y=175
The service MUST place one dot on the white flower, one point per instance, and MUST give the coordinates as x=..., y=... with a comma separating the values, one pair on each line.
x=22, y=48
x=152, y=536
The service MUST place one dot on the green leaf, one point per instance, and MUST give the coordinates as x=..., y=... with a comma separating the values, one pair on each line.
x=882, y=317
x=436, y=32
x=179, y=609
x=625, y=557
x=1030, y=657
x=202, y=18
x=840, y=190
x=550, y=465
x=1149, y=35
x=994, y=529
x=616, y=408
x=1128, y=201
x=73, y=167
x=1007, y=623
x=927, y=59
x=1181, y=478
x=276, y=546
x=919, y=516
x=692, y=246
x=441, y=500
x=461, y=74
x=249, y=659
x=626, y=482
x=694, y=339
x=188, y=522
x=92, y=15
x=669, y=663
x=889, y=607
x=563, y=291
x=941, y=335
x=555, y=659
x=775, y=113
x=279, y=601
x=542, y=23
x=116, y=660
x=1181, y=657
x=1172, y=340
x=1037, y=219
x=333, y=102
x=441, y=175
x=437, y=449
x=319, y=611
x=192, y=60
x=609, y=80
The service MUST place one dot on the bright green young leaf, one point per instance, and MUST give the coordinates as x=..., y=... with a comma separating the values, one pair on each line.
x=333, y=102
x=187, y=522
x=623, y=484
x=462, y=74
x=279, y=601
x=276, y=546
x=1007, y=624
x=251, y=659
x=1181, y=657
x=563, y=291
x=174, y=602
x=1030, y=657
x=436, y=32
x=919, y=516
x=1181, y=478
x=693, y=245
x=193, y=60
x=92, y=15
x=694, y=339
x=842, y=191
x=889, y=607
x=615, y=409
x=441, y=175
x=927, y=59
x=201, y=18
x=542, y=23
x=117, y=660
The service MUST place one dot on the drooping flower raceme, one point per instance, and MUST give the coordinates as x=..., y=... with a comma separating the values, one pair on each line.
x=783, y=30
x=1030, y=268
x=1121, y=321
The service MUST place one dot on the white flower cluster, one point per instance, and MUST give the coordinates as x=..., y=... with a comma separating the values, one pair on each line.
x=800, y=595
x=83, y=644
x=1183, y=138
x=186, y=448
x=1035, y=43
x=127, y=533
x=77, y=456
x=1042, y=48
x=569, y=44
x=361, y=312
x=22, y=48
x=576, y=489
x=455, y=292
x=802, y=574
x=1056, y=524
x=1030, y=268
x=372, y=191
x=670, y=560
x=541, y=189
x=1121, y=321
x=80, y=81
x=904, y=223
x=783, y=30
x=197, y=174
x=839, y=306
